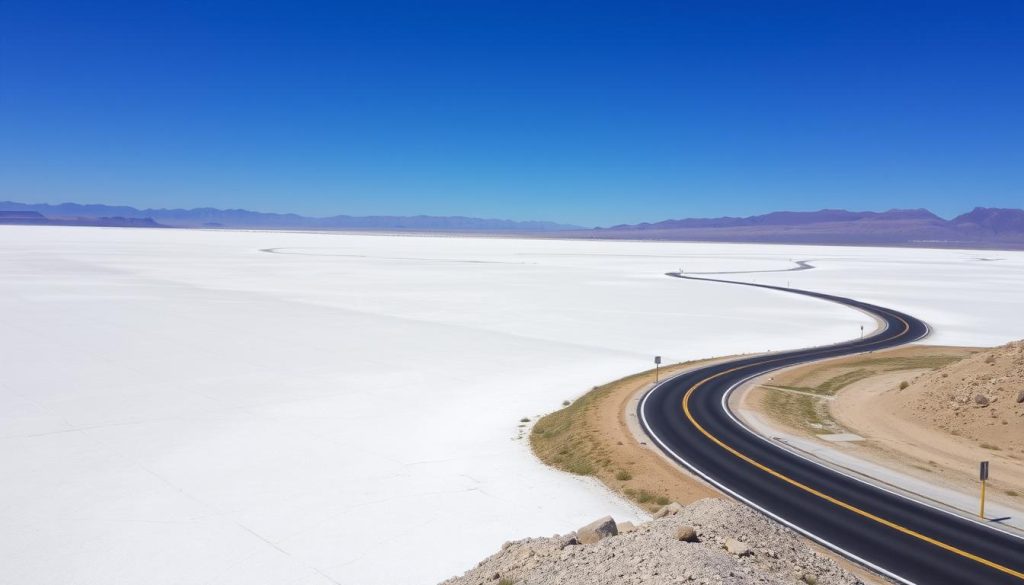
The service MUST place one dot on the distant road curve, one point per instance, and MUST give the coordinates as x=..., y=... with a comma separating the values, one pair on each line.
x=688, y=417
x=800, y=265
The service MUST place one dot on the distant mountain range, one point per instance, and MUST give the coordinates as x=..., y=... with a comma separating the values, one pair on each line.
x=208, y=217
x=36, y=218
x=981, y=228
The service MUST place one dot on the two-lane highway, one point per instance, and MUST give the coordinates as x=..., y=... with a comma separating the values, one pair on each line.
x=688, y=418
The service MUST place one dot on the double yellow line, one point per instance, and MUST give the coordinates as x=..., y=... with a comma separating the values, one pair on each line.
x=826, y=497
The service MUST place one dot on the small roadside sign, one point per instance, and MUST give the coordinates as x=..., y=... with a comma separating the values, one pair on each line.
x=657, y=360
x=983, y=471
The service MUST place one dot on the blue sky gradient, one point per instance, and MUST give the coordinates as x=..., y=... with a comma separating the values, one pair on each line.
x=578, y=112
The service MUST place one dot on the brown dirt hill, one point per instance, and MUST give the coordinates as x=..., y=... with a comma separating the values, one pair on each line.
x=980, y=397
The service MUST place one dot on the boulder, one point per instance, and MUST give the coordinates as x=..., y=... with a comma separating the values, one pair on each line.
x=981, y=400
x=810, y=579
x=669, y=510
x=1020, y=397
x=597, y=530
x=736, y=547
x=686, y=534
x=626, y=527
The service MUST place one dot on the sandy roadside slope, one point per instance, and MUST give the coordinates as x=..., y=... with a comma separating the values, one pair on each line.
x=592, y=436
x=924, y=430
x=947, y=420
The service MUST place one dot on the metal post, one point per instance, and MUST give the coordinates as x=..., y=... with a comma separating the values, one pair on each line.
x=657, y=366
x=983, y=476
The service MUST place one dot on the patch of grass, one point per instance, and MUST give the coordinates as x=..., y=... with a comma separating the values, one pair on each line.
x=798, y=410
x=623, y=475
x=506, y=581
x=834, y=384
x=919, y=362
x=647, y=498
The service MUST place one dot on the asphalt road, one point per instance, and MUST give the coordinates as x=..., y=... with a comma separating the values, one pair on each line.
x=687, y=417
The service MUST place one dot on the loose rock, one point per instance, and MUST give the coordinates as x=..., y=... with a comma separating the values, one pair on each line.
x=686, y=534
x=669, y=510
x=736, y=547
x=597, y=530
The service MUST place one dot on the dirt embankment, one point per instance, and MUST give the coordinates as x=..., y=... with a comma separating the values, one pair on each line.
x=931, y=412
x=709, y=541
x=591, y=437
x=980, y=398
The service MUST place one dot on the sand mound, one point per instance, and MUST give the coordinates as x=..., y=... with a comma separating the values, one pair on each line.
x=980, y=397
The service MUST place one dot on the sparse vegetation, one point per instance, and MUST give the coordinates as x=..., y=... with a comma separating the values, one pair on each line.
x=566, y=403
x=563, y=439
x=1012, y=493
x=572, y=439
x=990, y=447
x=525, y=419
x=798, y=410
x=798, y=400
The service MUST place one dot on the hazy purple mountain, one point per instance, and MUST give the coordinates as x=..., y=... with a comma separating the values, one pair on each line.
x=982, y=227
x=996, y=221
x=242, y=218
x=11, y=217
x=789, y=218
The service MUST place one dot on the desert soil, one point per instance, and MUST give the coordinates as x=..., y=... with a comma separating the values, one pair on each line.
x=591, y=437
x=918, y=408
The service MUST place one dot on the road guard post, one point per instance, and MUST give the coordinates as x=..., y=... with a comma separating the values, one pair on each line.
x=983, y=475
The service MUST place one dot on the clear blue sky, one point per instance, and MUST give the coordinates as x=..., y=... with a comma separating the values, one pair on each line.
x=569, y=111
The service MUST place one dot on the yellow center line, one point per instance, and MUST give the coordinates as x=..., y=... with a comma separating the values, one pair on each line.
x=826, y=497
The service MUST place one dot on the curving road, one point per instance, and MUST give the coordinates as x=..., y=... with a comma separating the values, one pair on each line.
x=912, y=542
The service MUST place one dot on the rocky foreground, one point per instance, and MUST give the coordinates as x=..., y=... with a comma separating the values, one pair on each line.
x=709, y=541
